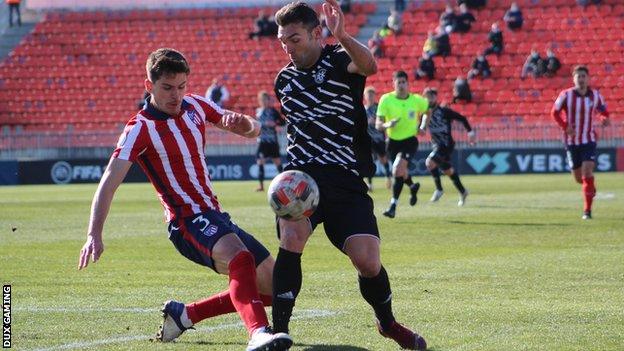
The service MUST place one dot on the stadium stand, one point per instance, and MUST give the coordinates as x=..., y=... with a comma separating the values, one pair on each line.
x=83, y=71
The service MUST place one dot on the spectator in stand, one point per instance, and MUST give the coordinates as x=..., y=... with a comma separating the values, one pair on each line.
x=496, y=38
x=473, y=4
x=385, y=31
x=584, y=3
x=465, y=19
x=551, y=63
x=262, y=26
x=431, y=46
x=448, y=19
x=426, y=67
x=480, y=67
x=533, y=65
x=513, y=17
x=14, y=6
x=395, y=22
x=345, y=6
x=376, y=45
x=218, y=93
x=399, y=5
x=461, y=90
x=443, y=42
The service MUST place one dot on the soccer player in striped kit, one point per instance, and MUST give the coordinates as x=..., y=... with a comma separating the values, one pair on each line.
x=321, y=92
x=167, y=139
x=574, y=112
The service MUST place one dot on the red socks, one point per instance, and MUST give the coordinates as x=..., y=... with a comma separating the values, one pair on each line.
x=216, y=305
x=244, y=292
x=589, y=190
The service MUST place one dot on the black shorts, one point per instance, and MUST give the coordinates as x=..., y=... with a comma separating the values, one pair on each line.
x=379, y=148
x=194, y=237
x=407, y=148
x=345, y=209
x=441, y=154
x=577, y=154
x=267, y=149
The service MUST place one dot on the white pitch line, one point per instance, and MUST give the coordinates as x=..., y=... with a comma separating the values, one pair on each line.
x=303, y=314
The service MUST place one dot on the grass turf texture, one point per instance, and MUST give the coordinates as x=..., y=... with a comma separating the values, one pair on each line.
x=515, y=269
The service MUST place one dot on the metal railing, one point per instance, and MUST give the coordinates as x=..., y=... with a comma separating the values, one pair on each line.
x=100, y=144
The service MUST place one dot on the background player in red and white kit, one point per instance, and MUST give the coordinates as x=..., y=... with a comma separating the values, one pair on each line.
x=579, y=105
x=167, y=139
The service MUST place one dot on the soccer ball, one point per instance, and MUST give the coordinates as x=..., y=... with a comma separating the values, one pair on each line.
x=293, y=195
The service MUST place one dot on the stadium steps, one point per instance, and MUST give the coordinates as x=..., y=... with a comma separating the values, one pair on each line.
x=10, y=37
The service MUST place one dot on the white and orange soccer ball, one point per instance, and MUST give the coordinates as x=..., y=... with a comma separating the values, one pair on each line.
x=293, y=195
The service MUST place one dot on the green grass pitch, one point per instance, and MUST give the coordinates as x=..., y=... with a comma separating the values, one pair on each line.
x=515, y=269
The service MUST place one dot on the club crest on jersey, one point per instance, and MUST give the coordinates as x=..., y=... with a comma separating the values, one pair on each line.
x=194, y=117
x=412, y=114
x=319, y=76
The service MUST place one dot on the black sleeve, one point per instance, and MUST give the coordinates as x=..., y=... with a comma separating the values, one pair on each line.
x=458, y=117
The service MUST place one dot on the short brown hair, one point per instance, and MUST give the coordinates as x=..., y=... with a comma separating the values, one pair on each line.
x=580, y=68
x=369, y=89
x=297, y=12
x=263, y=93
x=429, y=90
x=165, y=61
x=399, y=74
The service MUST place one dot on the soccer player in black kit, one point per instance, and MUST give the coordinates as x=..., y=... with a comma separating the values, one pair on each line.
x=439, y=120
x=320, y=92
x=268, y=145
x=378, y=137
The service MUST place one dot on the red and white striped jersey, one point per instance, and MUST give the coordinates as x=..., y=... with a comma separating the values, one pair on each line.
x=170, y=150
x=579, y=113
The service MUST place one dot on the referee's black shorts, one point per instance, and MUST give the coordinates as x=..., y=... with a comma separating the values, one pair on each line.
x=441, y=154
x=345, y=209
x=407, y=148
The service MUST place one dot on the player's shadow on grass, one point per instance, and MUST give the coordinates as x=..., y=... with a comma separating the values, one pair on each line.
x=523, y=207
x=512, y=224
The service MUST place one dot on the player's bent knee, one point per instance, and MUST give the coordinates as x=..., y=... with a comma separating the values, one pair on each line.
x=294, y=235
x=430, y=164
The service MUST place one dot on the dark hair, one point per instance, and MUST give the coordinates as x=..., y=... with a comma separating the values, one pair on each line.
x=432, y=91
x=580, y=68
x=165, y=61
x=297, y=12
x=399, y=74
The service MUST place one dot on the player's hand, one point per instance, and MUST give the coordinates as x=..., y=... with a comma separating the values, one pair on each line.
x=334, y=18
x=233, y=119
x=570, y=130
x=93, y=248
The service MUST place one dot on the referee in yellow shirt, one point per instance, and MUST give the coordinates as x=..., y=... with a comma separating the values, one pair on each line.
x=398, y=114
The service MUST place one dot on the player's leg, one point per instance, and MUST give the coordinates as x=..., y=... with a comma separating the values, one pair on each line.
x=363, y=251
x=573, y=154
x=222, y=303
x=223, y=251
x=260, y=162
x=287, y=276
x=386, y=166
x=588, y=156
x=278, y=164
x=589, y=187
x=232, y=257
x=432, y=166
x=410, y=148
x=399, y=169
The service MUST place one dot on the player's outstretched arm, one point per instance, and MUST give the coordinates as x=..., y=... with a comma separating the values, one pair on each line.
x=240, y=124
x=362, y=60
x=113, y=176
